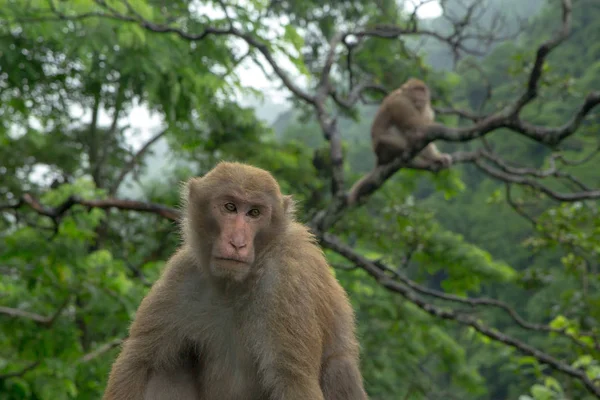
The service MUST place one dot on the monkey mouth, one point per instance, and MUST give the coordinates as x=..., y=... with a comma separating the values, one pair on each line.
x=231, y=260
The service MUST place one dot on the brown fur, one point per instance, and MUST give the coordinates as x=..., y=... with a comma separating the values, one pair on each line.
x=400, y=118
x=276, y=325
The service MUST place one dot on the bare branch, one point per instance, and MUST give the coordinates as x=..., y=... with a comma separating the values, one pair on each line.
x=521, y=180
x=518, y=209
x=553, y=136
x=329, y=124
x=540, y=58
x=553, y=171
x=356, y=93
x=504, y=119
x=584, y=160
x=461, y=113
x=133, y=161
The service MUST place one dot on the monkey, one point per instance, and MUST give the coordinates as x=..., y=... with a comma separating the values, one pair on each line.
x=246, y=308
x=401, y=117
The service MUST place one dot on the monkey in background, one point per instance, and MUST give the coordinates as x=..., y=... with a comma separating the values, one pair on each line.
x=401, y=117
x=247, y=308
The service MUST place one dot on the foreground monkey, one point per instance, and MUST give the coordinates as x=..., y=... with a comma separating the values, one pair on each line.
x=401, y=117
x=247, y=308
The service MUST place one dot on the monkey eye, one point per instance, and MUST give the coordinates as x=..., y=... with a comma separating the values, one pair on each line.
x=230, y=207
x=254, y=212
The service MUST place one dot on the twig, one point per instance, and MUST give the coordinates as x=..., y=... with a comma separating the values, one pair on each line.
x=21, y=372
x=133, y=161
x=101, y=350
x=521, y=180
x=42, y=320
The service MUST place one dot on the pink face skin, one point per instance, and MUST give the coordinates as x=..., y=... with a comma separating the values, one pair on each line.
x=239, y=220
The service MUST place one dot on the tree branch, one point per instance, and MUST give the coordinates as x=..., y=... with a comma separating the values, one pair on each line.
x=41, y=320
x=552, y=171
x=461, y=113
x=21, y=372
x=333, y=243
x=57, y=212
x=128, y=167
x=482, y=301
x=101, y=350
x=521, y=180
x=540, y=58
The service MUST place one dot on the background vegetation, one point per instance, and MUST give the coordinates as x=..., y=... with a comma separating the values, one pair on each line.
x=477, y=282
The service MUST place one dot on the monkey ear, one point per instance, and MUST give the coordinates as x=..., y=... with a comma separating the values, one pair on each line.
x=188, y=189
x=289, y=206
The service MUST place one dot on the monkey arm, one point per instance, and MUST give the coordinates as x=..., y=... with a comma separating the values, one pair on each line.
x=317, y=356
x=341, y=379
x=153, y=343
x=294, y=322
x=129, y=374
x=153, y=346
x=296, y=363
x=340, y=373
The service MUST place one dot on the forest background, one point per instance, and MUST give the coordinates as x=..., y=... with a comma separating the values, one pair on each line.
x=476, y=282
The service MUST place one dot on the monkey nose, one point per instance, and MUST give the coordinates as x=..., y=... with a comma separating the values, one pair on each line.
x=237, y=244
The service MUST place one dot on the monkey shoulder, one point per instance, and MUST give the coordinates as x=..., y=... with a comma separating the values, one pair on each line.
x=160, y=307
x=304, y=277
x=396, y=100
x=308, y=300
x=395, y=110
x=302, y=254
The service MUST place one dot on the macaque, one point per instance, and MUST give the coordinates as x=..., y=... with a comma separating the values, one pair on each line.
x=401, y=116
x=246, y=309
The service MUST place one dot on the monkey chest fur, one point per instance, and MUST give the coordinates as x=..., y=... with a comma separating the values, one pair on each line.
x=227, y=359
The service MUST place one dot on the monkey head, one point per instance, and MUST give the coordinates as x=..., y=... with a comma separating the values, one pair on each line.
x=418, y=92
x=233, y=215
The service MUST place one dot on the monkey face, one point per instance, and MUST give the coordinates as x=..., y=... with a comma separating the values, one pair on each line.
x=240, y=221
x=419, y=95
x=233, y=213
